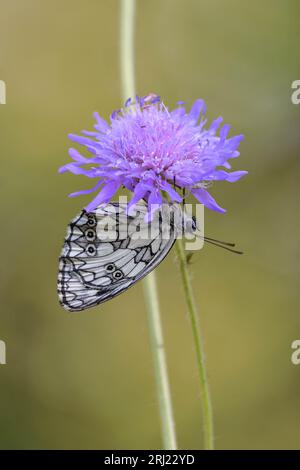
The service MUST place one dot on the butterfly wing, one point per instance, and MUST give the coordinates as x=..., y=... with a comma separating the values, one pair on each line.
x=107, y=251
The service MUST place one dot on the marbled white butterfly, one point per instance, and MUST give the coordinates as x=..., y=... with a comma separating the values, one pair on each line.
x=106, y=251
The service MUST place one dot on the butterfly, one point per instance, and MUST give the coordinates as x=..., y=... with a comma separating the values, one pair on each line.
x=107, y=251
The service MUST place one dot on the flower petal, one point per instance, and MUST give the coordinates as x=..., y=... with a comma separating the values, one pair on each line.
x=215, y=124
x=139, y=192
x=197, y=108
x=77, y=170
x=104, y=196
x=86, y=191
x=154, y=203
x=75, y=155
x=205, y=198
x=230, y=177
x=165, y=186
x=101, y=125
x=178, y=112
x=234, y=142
x=81, y=140
x=224, y=132
x=90, y=133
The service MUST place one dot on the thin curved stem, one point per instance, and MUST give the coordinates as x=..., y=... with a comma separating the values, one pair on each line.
x=198, y=341
x=150, y=285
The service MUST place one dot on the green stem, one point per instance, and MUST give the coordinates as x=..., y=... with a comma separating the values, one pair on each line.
x=150, y=288
x=160, y=366
x=127, y=48
x=198, y=341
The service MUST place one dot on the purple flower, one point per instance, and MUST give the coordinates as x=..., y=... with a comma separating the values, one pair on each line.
x=155, y=153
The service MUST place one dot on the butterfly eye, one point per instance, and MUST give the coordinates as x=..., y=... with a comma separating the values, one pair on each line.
x=110, y=267
x=91, y=222
x=90, y=235
x=91, y=250
x=118, y=274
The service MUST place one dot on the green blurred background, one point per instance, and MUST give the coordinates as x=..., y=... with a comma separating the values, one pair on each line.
x=86, y=380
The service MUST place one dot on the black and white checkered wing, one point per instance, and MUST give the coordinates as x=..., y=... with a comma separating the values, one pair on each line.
x=107, y=251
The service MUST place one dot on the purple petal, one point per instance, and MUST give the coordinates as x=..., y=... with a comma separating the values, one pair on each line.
x=155, y=198
x=93, y=149
x=230, y=177
x=197, y=108
x=104, y=196
x=114, y=114
x=77, y=170
x=165, y=186
x=90, y=133
x=205, y=198
x=215, y=124
x=139, y=192
x=81, y=140
x=154, y=203
x=223, y=132
x=86, y=191
x=178, y=112
x=75, y=155
x=101, y=125
x=234, y=142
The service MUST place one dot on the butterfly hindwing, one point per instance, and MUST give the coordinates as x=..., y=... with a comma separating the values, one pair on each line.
x=107, y=251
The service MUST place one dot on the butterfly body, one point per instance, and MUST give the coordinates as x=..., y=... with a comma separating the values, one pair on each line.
x=106, y=251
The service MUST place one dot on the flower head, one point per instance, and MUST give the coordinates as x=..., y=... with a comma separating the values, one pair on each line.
x=155, y=153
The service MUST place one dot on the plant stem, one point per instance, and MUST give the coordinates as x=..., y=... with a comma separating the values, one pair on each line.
x=160, y=366
x=198, y=341
x=127, y=48
x=150, y=287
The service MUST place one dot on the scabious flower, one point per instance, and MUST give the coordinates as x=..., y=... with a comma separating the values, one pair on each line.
x=155, y=153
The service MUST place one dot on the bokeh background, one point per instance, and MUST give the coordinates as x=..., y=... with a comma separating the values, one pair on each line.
x=86, y=380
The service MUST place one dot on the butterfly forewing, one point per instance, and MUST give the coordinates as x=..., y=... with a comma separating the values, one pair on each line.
x=107, y=251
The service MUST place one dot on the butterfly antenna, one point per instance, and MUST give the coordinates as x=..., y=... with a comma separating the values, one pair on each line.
x=208, y=239
x=226, y=246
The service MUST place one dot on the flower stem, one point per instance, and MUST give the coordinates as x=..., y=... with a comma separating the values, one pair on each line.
x=127, y=48
x=150, y=287
x=160, y=366
x=198, y=341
